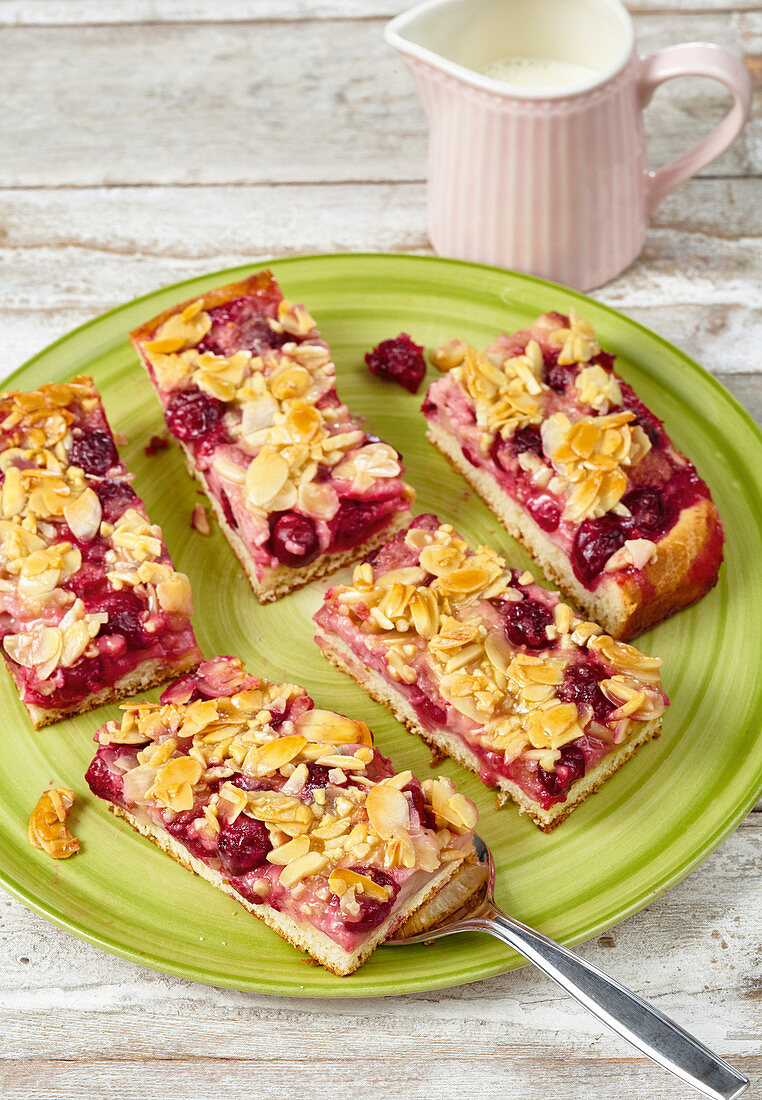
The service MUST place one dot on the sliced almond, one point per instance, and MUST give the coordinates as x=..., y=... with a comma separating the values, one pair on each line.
x=287, y=853
x=304, y=867
x=388, y=811
x=324, y=725
x=280, y=751
x=266, y=476
x=83, y=515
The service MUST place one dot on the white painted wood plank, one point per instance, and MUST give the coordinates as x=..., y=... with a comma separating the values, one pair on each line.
x=693, y=952
x=246, y=103
x=82, y=12
x=67, y=255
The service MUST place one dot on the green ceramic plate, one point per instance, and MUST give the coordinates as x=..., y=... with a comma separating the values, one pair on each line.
x=651, y=823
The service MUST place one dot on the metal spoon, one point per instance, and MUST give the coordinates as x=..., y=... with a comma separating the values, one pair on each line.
x=635, y=1020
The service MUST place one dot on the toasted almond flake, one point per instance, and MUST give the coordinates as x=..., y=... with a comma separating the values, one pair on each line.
x=388, y=811
x=47, y=830
x=280, y=751
x=175, y=596
x=342, y=878
x=266, y=476
x=83, y=515
x=304, y=867
x=323, y=725
x=287, y=853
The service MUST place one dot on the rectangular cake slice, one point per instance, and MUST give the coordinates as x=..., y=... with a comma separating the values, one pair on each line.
x=248, y=389
x=491, y=669
x=288, y=809
x=92, y=607
x=576, y=467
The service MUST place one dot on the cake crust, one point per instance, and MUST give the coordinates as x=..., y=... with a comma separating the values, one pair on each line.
x=309, y=939
x=287, y=809
x=579, y=470
x=620, y=606
x=439, y=741
x=298, y=486
x=491, y=669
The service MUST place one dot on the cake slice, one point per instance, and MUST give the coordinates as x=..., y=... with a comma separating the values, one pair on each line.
x=289, y=810
x=248, y=389
x=576, y=467
x=92, y=607
x=491, y=669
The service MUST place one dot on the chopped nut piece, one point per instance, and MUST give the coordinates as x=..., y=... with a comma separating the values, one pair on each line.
x=200, y=520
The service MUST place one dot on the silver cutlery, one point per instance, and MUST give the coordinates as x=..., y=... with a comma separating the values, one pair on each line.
x=648, y=1029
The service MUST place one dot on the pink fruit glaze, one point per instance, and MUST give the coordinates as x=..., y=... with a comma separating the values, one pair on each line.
x=520, y=622
x=202, y=423
x=664, y=474
x=238, y=852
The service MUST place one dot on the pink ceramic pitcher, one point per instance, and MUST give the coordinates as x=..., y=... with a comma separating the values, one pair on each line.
x=549, y=180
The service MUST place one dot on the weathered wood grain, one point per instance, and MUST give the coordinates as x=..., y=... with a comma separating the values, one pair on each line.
x=85, y=1012
x=259, y=102
x=82, y=12
x=67, y=255
x=252, y=127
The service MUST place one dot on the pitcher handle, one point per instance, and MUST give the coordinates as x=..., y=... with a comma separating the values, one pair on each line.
x=695, y=59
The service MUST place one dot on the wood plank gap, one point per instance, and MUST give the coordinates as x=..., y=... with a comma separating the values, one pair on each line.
x=113, y=185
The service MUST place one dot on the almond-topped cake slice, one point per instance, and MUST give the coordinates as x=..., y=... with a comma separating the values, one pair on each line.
x=491, y=669
x=92, y=607
x=288, y=809
x=575, y=466
x=248, y=388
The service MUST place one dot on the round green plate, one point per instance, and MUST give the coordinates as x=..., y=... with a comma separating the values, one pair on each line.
x=649, y=825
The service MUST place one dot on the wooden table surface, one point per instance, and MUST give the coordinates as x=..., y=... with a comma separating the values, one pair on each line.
x=145, y=141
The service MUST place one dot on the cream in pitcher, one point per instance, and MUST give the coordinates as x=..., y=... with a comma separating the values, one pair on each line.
x=539, y=163
x=536, y=72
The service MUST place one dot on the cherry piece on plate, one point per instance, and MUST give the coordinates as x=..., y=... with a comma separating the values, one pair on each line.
x=400, y=360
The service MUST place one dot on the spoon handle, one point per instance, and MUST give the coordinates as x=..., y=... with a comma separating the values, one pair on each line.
x=639, y=1023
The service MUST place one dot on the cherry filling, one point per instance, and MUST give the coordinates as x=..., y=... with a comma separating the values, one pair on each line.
x=179, y=829
x=425, y=816
x=648, y=514
x=527, y=439
x=293, y=538
x=581, y=686
x=428, y=711
x=191, y=414
x=372, y=911
x=227, y=510
x=569, y=768
x=115, y=497
x=125, y=616
x=596, y=540
x=545, y=511
x=558, y=377
x=357, y=520
x=94, y=452
x=243, y=844
x=103, y=782
x=399, y=360
x=239, y=324
x=524, y=623
x=318, y=777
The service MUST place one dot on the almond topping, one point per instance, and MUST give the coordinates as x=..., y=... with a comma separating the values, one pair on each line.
x=324, y=725
x=83, y=515
x=304, y=867
x=47, y=830
x=342, y=878
x=388, y=811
